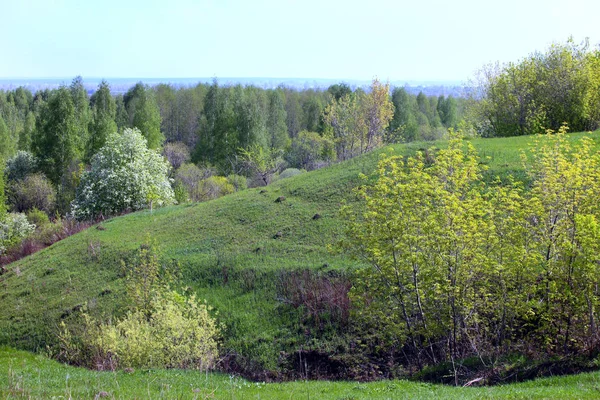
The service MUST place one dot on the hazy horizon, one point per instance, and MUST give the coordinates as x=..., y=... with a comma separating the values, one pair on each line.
x=122, y=84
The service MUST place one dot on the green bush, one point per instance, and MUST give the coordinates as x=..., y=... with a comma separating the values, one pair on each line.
x=214, y=187
x=21, y=165
x=37, y=217
x=180, y=333
x=163, y=329
x=239, y=182
x=35, y=191
x=180, y=192
x=289, y=172
x=13, y=229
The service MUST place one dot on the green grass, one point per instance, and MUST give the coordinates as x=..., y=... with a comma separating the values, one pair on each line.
x=25, y=375
x=227, y=251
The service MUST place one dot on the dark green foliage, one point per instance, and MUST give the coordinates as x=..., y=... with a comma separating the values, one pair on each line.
x=83, y=114
x=21, y=165
x=276, y=126
x=447, y=111
x=2, y=190
x=217, y=127
x=121, y=118
x=34, y=191
x=294, y=112
x=26, y=135
x=7, y=144
x=104, y=112
x=237, y=118
x=144, y=114
x=403, y=127
x=339, y=90
x=56, y=143
x=312, y=109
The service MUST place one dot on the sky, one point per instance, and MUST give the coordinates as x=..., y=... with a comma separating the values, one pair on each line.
x=429, y=40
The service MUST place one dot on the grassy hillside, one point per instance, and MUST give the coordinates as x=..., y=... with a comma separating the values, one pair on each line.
x=24, y=375
x=234, y=252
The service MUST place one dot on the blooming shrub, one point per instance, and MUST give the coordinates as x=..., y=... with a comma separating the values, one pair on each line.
x=14, y=227
x=124, y=175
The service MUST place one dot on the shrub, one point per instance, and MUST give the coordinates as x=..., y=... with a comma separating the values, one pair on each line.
x=214, y=187
x=35, y=191
x=164, y=329
x=239, y=182
x=289, y=172
x=124, y=175
x=13, y=229
x=177, y=153
x=21, y=165
x=179, y=334
x=309, y=149
x=190, y=176
x=180, y=192
x=38, y=217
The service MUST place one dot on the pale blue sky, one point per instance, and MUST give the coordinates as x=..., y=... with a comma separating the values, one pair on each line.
x=340, y=39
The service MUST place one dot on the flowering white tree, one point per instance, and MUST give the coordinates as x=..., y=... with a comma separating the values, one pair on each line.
x=124, y=175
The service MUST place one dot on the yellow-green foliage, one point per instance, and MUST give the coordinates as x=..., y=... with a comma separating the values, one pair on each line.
x=163, y=329
x=459, y=267
x=214, y=187
x=179, y=333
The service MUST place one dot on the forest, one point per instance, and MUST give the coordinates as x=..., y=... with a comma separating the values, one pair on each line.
x=448, y=260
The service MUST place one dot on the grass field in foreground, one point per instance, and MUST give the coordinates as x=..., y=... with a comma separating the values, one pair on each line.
x=25, y=375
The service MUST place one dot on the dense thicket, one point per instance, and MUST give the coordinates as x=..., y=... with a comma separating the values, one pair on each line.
x=462, y=268
x=542, y=91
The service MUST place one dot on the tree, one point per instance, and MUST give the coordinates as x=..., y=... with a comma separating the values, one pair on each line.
x=308, y=150
x=217, y=128
x=104, y=112
x=83, y=115
x=378, y=111
x=422, y=230
x=189, y=176
x=21, y=165
x=122, y=175
x=7, y=144
x=403, y=126
x=359, y=120
x=177, y=153
x=263, y=163
x=339, y=90
x=294, y=112
x=447, y=110
x=144, y=114
x=28, y=131
x=348, y=125
x=276, y=117
x=312, y=110
x=2, y=191
x=56, y=143
x=566, y=180
x=542, y=91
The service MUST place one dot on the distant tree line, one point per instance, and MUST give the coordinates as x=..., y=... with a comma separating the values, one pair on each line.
x=207, y=129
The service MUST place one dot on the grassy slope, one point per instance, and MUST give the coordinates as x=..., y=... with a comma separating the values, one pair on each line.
x=24, y=375
x=227, y=251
